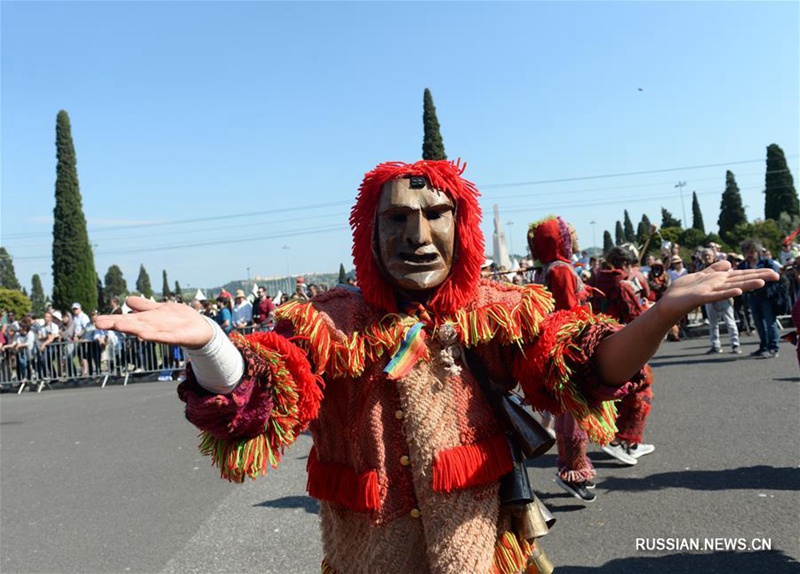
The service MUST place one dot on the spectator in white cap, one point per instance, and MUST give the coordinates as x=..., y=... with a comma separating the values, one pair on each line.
x=82, y=320
x=676, y=268
x=242, y=311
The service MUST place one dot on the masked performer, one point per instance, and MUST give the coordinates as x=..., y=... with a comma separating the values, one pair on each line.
x=617, y=295
x=552, y=243
x=408, y=455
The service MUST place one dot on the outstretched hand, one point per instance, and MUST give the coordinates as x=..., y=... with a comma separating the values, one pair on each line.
x=623, y=353
x=714, y=283
x=171, y=323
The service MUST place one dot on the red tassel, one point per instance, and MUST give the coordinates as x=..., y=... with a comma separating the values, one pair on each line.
x=334, y=482
x=472, y=465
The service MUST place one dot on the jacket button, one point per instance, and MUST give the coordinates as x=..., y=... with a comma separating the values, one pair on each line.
x=404, y=460
x=415, y=513
x=399, y=414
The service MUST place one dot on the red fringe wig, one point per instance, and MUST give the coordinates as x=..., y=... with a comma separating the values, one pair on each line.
x=460, y=286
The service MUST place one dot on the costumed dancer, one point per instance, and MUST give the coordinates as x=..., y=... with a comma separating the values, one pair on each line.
x=616, y=296
x=408, y=455
x=552, y=242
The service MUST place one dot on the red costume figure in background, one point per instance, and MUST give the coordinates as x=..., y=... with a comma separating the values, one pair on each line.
x=551, y=242
x=618, y=299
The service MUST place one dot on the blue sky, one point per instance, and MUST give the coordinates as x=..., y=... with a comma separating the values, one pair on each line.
x=221, y=139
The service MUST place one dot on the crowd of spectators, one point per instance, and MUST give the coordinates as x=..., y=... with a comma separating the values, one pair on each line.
x=28, y=343
x=754, y=313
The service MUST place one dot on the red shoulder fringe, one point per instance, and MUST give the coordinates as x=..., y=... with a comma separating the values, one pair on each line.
x=545, y=372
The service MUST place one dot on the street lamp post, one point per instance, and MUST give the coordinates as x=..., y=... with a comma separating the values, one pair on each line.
x=510, y=242
x=594, y=241
x=680, y=185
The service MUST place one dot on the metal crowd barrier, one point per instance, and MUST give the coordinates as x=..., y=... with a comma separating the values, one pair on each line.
x=79, y=361
x=119, y=356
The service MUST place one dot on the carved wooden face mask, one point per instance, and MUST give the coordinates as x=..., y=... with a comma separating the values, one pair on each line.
x=415, y=234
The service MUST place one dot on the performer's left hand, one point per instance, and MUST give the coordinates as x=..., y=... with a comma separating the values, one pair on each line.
x=714, y=283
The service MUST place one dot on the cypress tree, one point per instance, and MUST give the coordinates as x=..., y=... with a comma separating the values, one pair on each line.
x=116, y=286
x=74, y=275
x=432, y=144
x=630, y=236
x=342, y=274
x=165, y=292
x=619, y=234
x=779, y=194
x=641, y=233
x=102, y=303
x=697, y=215
x=8, y=278
x=731, y=210
x=143, y=283
x=178, y=293
x=38, y=303
x=607, y=242
x=643, y=230
x=667, y=219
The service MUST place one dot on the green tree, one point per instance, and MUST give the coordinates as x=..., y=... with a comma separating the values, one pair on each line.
x=74, y=274
x=641, y=233
x=692, y=238
x=731, y=211
x=342, y=274
x=178, y=293
x=619, y=234
x=116, y=286
x=432, y=144
x=627, y=228
x=765, y=231
x=608, y=243
x=165, y=292
x=667, y=220
x=102, y=302
x=643, y=230
x=14, y=300
x=779, y=194
x=8, y=278
x=38, y=302
x=143, y=283
x=697, y=215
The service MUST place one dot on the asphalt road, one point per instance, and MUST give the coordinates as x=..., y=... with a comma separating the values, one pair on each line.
x=110, y=481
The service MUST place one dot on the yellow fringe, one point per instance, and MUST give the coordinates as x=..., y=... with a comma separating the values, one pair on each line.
x=349, y=357
x=598, y=421
x=510, y=555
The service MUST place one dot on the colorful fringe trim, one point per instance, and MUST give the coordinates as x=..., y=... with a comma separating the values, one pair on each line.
x=472, y=465
x=505, y=324
x=348, y=357
x=296, y=394
x=511, y=555
x=339, y=483
x=326, y=568
x=550, y=361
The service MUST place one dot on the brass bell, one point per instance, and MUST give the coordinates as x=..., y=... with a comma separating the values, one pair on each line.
x=532, y=521
x=539, y=563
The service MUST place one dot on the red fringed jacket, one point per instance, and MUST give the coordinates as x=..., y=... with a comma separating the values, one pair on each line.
x=406, y=470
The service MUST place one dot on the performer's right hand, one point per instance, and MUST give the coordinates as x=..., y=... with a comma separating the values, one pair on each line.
x=171, y=323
